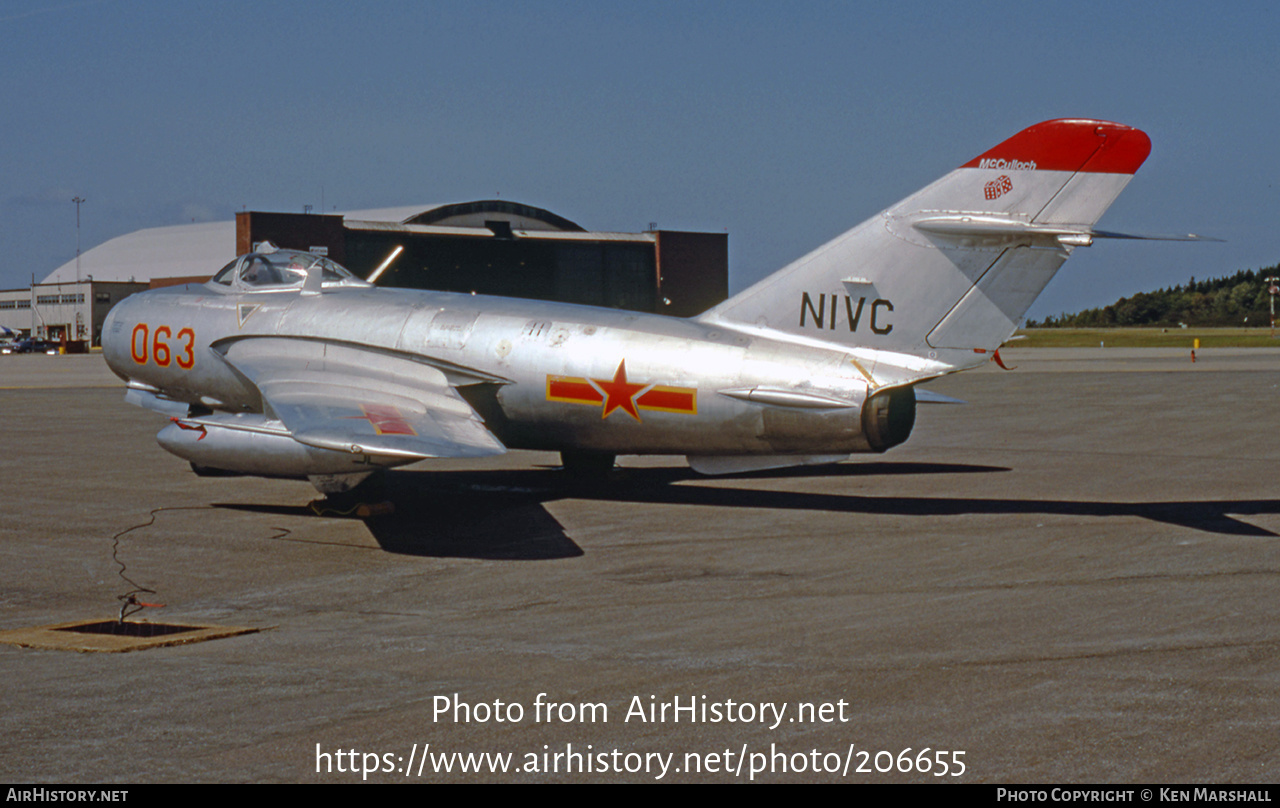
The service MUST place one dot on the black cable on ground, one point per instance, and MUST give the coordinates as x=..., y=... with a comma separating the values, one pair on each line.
x=129, y=603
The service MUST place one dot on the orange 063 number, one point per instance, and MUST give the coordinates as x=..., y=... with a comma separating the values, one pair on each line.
x=157, y=347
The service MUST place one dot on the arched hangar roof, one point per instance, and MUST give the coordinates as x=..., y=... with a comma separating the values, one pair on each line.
x=190, y=250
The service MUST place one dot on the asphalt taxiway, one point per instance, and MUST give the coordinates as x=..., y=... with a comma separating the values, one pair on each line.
x=1071, y=577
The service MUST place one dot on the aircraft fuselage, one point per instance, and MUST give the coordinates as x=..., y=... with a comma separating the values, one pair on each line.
x=566, y=377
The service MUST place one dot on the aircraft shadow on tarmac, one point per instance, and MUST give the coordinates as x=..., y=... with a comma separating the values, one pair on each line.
x=501, y=514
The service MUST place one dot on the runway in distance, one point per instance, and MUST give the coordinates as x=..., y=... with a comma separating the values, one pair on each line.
x=286, y=365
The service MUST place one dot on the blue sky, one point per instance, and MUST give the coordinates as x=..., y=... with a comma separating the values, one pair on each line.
x=781, y=123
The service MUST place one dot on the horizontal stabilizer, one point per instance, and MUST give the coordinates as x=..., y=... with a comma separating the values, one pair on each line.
x=1154, y=236
x=929, y=397
x=991, y=230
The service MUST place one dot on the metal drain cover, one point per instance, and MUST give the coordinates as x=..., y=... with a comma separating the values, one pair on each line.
x=113, y=636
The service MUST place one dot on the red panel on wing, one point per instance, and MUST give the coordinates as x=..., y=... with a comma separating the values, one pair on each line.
x=386, y=420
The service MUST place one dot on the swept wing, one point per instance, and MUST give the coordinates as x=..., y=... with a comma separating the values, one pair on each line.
x=352, y=399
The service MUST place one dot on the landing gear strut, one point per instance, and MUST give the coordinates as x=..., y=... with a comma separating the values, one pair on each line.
x=587, y=464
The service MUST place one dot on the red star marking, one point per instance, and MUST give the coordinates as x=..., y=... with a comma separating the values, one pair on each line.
x=619, y=393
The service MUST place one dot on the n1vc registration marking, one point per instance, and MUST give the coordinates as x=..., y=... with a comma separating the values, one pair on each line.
x=852, y=312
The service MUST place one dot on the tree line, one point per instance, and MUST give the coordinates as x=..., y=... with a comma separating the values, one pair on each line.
x=1241, y=299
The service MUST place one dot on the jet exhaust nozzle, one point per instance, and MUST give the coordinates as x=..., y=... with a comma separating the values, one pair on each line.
x=888, y=417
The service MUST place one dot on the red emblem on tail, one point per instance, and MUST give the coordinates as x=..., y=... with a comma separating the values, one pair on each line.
x=998, y=187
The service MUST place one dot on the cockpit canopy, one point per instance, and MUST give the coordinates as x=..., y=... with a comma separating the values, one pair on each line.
x=275, y=269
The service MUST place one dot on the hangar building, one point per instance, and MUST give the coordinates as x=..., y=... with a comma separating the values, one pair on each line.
x=494, y=247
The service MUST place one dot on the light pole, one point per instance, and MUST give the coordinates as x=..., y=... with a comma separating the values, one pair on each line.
x=1272, y=289
x=78, y=202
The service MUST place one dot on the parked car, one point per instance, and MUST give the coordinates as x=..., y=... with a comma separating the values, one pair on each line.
x=30, y=346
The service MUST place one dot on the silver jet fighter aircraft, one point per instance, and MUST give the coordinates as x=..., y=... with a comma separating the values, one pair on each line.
x=286, y=365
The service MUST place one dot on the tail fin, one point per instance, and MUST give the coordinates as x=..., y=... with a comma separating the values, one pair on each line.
x=952, y=269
